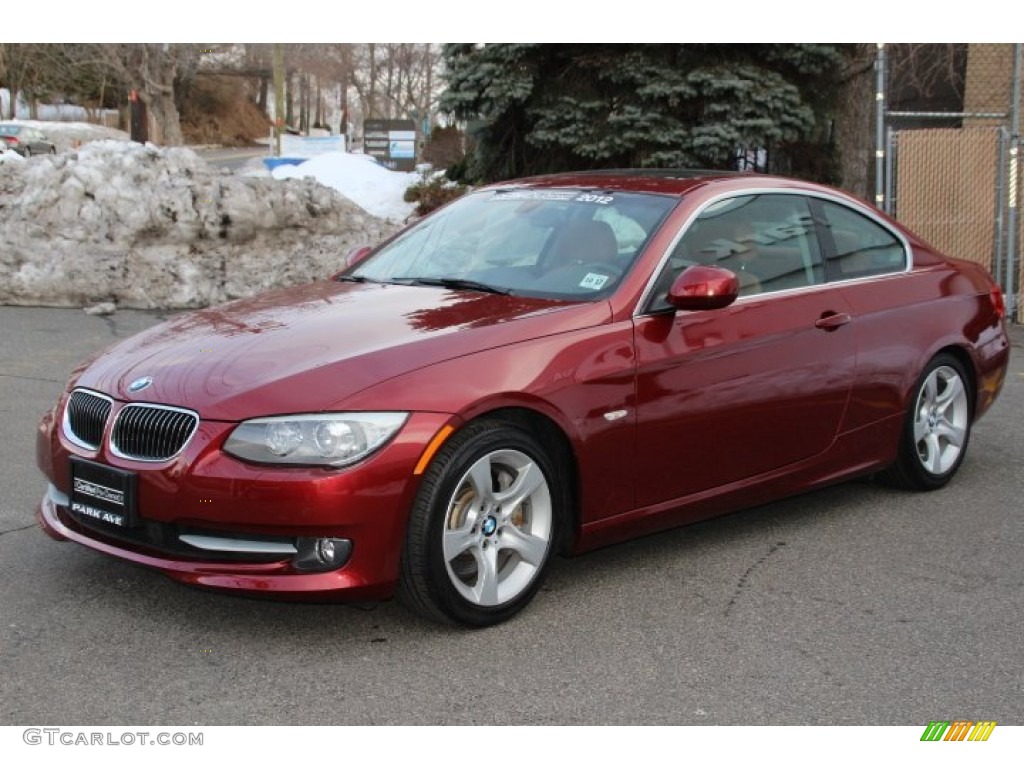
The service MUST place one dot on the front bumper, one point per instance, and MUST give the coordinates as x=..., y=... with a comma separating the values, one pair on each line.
x=210, y=520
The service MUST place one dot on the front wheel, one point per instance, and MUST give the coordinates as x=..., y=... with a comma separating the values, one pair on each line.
x=937, y=427
x=483, y=527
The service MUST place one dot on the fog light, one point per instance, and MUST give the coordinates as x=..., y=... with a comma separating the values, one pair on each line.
x=325, y=550
x=321, y=554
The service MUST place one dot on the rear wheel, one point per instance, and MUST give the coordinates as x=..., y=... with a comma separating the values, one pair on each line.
x=483, y=527
x=937, y=427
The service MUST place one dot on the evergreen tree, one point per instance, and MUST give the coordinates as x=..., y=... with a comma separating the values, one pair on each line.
x=541, y=108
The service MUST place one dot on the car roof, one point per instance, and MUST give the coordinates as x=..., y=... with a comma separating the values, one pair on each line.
x=667, y=181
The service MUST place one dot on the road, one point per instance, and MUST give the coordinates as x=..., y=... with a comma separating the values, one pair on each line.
x=852, y=605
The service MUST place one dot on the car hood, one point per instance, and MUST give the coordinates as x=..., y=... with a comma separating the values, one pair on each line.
x=307, y=348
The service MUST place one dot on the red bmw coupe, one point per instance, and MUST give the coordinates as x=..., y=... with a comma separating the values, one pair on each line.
x=548, y=365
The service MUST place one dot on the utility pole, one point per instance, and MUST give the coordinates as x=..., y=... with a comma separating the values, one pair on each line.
x=880, y=64
x=1014, y=178
x=278, y=97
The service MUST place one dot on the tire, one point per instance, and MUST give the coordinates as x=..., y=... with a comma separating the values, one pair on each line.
x=28, y=152
x=53, y=150
x=937, y=429
x=484, y=526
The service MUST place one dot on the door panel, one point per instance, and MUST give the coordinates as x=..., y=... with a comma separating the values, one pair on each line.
x=728, y=394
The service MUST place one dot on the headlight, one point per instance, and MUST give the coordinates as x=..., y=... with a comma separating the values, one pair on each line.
x=325, y=439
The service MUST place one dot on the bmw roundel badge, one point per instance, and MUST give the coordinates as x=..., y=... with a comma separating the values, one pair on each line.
x=140, y=384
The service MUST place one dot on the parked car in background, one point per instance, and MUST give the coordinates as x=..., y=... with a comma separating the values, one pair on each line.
x=546, y=365
x=25, y=140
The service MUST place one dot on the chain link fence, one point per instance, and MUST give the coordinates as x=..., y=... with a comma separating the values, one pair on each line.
x=948, y=136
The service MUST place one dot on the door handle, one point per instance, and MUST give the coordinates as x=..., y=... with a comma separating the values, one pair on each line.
x=832, y=320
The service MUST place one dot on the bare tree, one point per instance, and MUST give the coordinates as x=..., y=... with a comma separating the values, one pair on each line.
x=926, y=76
x=89, y=72
x=19, y=73
x=855, y=111
x=390, y=80
x=396, y=80
x=921, y=76
x=151, y=69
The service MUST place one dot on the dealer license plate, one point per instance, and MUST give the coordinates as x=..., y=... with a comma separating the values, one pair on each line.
x=102, y=493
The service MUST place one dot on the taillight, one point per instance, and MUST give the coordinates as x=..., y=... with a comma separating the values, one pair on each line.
x=995, y=295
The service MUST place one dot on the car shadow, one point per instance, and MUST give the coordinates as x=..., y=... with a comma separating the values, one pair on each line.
x=134, y=591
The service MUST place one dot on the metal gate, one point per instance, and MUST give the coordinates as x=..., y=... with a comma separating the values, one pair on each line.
x=945, y=185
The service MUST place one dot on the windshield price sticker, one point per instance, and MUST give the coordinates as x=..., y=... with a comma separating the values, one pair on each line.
x=590, y=197
x=557, y=195
x=561, y=195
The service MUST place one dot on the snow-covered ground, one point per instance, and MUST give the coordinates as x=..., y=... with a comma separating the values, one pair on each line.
x=72, y=135
x=361, y=179
x=46, y=111
x=147, y=227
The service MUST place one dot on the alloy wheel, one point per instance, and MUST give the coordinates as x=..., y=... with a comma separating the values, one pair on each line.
x=497, y=528
x=941, y=420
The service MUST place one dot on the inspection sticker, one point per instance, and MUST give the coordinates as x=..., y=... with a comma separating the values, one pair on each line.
x=593, y=282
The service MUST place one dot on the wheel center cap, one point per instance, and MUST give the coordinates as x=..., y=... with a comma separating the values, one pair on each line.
x=490, y=526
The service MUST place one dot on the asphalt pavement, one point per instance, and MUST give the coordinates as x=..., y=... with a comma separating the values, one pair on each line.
x=852, y=605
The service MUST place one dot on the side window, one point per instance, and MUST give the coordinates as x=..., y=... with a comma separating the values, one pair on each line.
x=768, y=240
x=861, y=246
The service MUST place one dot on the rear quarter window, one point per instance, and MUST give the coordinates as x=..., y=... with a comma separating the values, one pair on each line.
x=861, y=247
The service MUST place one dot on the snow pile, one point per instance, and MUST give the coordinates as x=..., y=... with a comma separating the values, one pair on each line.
x=10, y=156
x=372, y=187
x=160, y=228
x=67, y=136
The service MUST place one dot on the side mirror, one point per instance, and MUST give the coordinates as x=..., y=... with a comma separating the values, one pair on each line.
x=700, y=287
x=352, y=258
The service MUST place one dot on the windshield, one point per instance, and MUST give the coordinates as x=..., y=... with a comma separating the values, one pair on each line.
x=10, y=130
x=548, y=243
